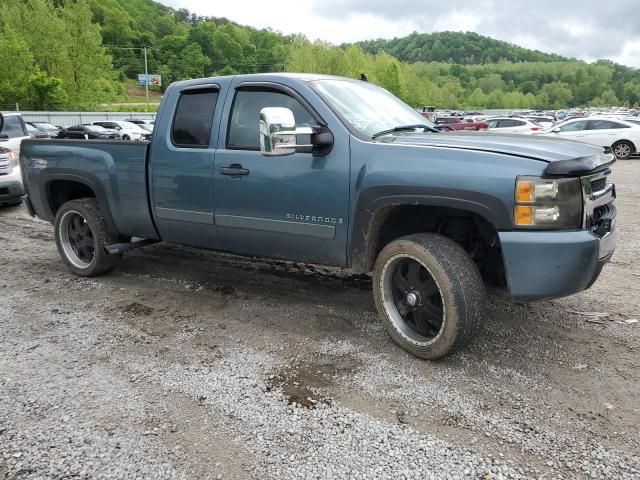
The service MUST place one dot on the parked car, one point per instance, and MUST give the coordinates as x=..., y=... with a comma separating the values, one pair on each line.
x=334, y=171
x=459, y=123
x=622, y=136
x=127, y=130
x=513, y=125
x=46, y=127
x=544, y=122
x=36, y=133
x=145, y=124
x=634, y=120
x=12, y=132
x=87, y=132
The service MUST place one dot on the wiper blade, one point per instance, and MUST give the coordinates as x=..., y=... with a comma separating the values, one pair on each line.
x=403, y=128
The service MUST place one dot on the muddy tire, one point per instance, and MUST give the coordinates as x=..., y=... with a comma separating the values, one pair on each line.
x=429, y=294
x=623, y=149
x=81, y=235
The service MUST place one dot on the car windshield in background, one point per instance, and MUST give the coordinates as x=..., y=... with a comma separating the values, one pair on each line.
x=45, y=125
x=97, y=129
x=130, y=126
x=367, y=109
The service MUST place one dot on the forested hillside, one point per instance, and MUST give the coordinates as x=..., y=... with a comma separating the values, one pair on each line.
x=57, y=54
x=455, y=47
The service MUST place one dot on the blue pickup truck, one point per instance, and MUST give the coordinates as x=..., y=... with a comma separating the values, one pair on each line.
x=337, y=171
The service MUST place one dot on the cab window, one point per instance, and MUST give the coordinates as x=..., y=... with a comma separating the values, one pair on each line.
x=193, y=119
x=244, y=123
x=13, y=127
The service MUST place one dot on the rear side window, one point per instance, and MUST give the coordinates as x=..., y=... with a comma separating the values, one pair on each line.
x=193, y=118
x=604, y=125
x=12, y=127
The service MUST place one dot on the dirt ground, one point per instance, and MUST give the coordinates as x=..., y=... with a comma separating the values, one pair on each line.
x=189, y=364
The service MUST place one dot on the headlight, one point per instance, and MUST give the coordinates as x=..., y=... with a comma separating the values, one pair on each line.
x=13, y=159
x=548, y=203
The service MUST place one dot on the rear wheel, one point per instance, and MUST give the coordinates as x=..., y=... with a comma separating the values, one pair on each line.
x=429, y=294
x=81, y=235
x=623, y=149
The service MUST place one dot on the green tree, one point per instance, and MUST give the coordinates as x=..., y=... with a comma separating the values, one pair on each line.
x=89, y=61
x=45, y=92
x=559, y=95
x=193, y=62
x=17, y=66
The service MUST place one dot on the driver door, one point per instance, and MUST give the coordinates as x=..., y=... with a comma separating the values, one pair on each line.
x=289, y=206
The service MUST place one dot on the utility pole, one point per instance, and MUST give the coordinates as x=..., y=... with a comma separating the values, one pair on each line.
x=146, y=77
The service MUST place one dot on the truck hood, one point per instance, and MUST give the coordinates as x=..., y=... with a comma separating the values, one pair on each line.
x=564, y=157
x=537, y=147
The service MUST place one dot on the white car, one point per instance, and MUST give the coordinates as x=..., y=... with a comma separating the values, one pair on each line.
x=127, y=130
x=513, y=125
x=544, y=122
x=622, y=136
x=14, y=131
x=144, y=124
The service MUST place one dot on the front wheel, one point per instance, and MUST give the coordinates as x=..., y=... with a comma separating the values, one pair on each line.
x=429, y=294
x=126, y=137
x=81, y=235
x=623, y=149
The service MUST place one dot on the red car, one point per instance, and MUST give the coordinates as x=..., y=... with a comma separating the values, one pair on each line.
x=459, y=123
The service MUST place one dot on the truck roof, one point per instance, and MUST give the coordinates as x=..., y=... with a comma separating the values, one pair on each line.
x=303, y=77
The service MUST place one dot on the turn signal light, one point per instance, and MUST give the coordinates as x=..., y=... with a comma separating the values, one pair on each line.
x=525, y=191
x=524, y=216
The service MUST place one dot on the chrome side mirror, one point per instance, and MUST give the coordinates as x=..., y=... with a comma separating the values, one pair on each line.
x=556, y=130
x=278, y=132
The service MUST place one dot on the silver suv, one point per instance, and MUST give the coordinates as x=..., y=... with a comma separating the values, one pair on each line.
x=11, y=135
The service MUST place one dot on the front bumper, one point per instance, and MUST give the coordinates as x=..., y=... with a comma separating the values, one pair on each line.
x=548, y=264
x=11, y=188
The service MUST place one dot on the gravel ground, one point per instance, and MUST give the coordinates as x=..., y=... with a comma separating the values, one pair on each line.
x=189, y=364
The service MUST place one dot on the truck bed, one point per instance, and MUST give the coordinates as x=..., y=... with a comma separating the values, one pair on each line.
x=114, y=170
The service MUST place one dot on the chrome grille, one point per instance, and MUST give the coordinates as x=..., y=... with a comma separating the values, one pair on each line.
x=4, y=164
x=598, y=184
x=598, y=195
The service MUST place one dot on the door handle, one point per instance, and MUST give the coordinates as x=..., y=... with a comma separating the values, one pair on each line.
x=235, y=169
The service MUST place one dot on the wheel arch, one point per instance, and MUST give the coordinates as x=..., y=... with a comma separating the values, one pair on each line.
x=634, y=147
x=380, y=218
x=60, y=188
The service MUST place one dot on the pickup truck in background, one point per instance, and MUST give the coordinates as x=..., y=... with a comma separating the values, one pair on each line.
x=12, y=133
x=335, y=171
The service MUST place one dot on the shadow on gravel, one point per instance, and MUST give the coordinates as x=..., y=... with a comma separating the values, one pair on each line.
x=205, y=266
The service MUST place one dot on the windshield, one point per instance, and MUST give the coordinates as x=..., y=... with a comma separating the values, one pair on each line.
x=367, y=108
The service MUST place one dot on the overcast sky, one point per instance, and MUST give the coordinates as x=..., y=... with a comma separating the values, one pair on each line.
x=585, y=29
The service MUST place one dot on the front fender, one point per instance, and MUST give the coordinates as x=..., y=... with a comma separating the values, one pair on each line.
x=373, y=202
